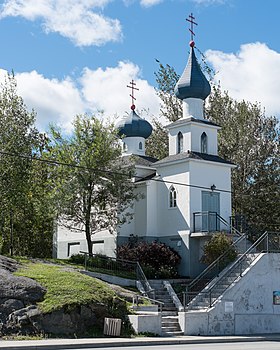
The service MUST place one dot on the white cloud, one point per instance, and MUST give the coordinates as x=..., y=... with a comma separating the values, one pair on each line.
x=58, y=101
x=149, y=3
x=106, y=90
x=55, y=101
x=73, y=19
x=251, y=74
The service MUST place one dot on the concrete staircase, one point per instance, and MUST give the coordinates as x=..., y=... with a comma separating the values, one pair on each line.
x=169, y=320
x=220, y=284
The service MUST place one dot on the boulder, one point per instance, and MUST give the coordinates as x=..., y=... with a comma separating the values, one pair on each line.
x=20, y=288
x=8, y=264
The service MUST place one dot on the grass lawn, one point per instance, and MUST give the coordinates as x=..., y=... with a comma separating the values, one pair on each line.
x=65, y=287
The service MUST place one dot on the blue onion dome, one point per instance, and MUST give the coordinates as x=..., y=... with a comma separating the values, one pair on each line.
x=192, y=83
x=134, y=126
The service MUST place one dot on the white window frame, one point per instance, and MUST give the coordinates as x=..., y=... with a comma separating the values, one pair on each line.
x=172, y=198
x=204, y=143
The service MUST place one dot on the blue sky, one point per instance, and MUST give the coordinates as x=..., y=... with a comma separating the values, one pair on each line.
x=73, y=56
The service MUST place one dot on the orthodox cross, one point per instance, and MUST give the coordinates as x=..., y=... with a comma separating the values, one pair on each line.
x=192, y=22
x=132, y=87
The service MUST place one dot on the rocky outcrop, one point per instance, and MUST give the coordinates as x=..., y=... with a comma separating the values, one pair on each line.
x=19, y=313
x=17, y=294
x=77, y=320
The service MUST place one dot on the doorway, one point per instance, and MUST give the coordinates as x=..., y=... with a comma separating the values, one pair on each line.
x=210, y=208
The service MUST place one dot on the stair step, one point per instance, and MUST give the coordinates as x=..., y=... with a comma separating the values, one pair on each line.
x=169, y=320
x=172, y=324
x=169, y=313
x=169, y=324
x=172, y=334
x=171, y=329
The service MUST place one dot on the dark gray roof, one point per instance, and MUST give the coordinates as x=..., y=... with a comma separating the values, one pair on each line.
x=149, y=177
x=192, y=83
x=139, y=160
x=192, y=119
x=193, y=155
x=134, y=126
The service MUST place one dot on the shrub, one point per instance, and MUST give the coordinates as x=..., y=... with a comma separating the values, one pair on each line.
x=78, y=259
x=157, y=259
x=218, y=244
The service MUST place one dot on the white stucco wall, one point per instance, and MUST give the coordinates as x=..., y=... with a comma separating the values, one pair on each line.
x=173, y=220
x=69, y=242
x=192, y=132
x=130, y=145
x=251, y=298
x=206, y=174
x=193, y=107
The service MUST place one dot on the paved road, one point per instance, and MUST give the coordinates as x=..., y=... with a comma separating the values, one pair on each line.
x=262, y=345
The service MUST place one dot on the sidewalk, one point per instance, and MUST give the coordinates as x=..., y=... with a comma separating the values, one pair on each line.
x=51, y=344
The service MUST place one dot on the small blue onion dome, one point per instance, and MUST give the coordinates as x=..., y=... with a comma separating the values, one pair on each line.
x=134, y=126
x=192, y=83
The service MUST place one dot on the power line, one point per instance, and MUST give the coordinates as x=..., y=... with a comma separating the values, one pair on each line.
x=81, y=167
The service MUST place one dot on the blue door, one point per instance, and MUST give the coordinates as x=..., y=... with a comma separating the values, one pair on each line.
x=210, y=209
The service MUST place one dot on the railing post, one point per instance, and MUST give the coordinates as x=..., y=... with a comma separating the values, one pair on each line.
x=184, y=300
x=267, y=243
x=85, y=261
x=216, y=221
x=208, y=221
x=210, y=298
x=194, y=222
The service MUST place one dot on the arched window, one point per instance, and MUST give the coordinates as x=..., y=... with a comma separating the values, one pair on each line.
x=140, y=145
x=203, y=143
x=172, y=197
x=179, y=142
x=124, y=146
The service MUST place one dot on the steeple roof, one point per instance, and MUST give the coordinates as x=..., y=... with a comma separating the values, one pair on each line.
x=192, y=83
x=134, y=126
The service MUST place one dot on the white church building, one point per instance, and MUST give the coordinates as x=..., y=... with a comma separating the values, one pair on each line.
x=186, y=196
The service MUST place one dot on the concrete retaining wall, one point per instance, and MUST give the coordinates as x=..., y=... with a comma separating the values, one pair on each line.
x=146, y=323
x=125, y=282
x=246, y=307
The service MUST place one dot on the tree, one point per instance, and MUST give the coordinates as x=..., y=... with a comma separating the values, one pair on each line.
x=26, y=228
x=248, y=138
x=216, y=246
x=171, y=106
x=96, y=191
x=157, y=143
x=18, y=136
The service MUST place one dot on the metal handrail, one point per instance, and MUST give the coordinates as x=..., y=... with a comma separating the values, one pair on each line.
x=153, y=301
x=139, y=273
x=208, y=290
x=144, y=281
x=237, y=261
x=216, y=262
x=232, y=228
x=218, y=218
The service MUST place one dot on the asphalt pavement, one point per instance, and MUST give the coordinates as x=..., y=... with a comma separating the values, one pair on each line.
x=56, y=344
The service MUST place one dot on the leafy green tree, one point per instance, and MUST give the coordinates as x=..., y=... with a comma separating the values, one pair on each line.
x=216, y=246
x=26, y=221
x=17, y=136
x=157, y=143
x=95, y=192
x=250, y=140
x=171, y=106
